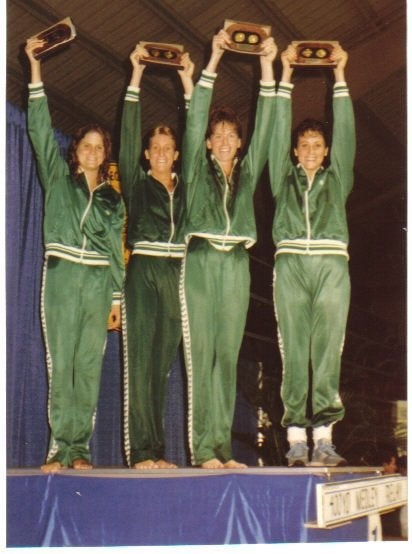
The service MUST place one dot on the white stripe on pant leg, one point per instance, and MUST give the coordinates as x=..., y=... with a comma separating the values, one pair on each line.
x=126, y=398
x=279, y=334
x=187, y=354
x=53, y=447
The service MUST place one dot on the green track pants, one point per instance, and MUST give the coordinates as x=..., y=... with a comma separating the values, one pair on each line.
x=76, y=301
x=311, y=295
x=151, y=336
x=214, y=297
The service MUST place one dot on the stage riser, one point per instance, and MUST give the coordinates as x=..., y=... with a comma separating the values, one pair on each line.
x=184, y=508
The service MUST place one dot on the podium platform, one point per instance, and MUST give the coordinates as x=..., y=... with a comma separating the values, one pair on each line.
x=124, y=507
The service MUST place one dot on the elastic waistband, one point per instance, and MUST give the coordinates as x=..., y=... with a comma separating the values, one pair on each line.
x=319, y=247
x=76, y=255
x=161, y=249
x=222, y=242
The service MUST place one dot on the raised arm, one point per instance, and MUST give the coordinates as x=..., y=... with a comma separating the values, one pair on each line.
x=186, y=75
x=218, y=49
x=137, y=67
x=194, y=147
x=39, y=125
x=340, y=56
x=258, y=148
x=288, y=56
x=35, y=65
x=343, y=147
x=269, y=52
x=280, y=142
x=131, y=132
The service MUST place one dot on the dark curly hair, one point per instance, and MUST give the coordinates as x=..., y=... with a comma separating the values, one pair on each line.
x=310, y=125
x=78, y=136
x=223, y=115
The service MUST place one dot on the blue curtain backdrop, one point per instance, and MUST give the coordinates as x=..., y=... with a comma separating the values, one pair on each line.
x=26, y=394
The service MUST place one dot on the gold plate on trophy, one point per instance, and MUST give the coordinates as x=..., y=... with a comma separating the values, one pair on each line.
x=55, y=37
x=314, y=53
x=162, y=53
x=246, y=38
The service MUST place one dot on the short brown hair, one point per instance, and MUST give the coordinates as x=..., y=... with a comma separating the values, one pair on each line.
x=160, y=130
x=223, y=115
x=310, y=125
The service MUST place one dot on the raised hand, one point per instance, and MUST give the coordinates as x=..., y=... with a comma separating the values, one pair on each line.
x=186, y=74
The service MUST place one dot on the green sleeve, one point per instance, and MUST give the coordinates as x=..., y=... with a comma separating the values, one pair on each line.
x=131, y=172
x=343, y=149
x=50, y=162
x=257, y=153
x=197, y=117
x=280, y=142
x=117, y=258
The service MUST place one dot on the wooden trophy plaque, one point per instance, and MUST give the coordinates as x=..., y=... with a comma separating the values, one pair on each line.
x=162, y=54
x=314, y=54
x=56, y=36
x=246, y=38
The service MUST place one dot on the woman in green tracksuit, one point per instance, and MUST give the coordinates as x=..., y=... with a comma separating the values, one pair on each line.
x=220, y=226
x=83, y=273
x=311, y=277
x=151, y=312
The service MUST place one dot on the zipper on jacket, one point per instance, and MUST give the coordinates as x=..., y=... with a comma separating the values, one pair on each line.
x=307, y=216
x=228, y=222
x=86, y=211
x=172, y=221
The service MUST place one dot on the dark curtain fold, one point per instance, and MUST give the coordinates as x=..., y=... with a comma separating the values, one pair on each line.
x=26, y=387
x=27, y=431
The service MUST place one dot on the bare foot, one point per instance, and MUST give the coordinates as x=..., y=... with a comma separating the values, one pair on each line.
x=80, y=463
x=146, y=464
x=233, y=464
x=52, y=467
x=214, y=463
x=164, y=464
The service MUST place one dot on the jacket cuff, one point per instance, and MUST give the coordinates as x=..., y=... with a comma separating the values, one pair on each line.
x=207, y=79
x=132, y=94
x=116, y=297
x=36, y=90
x=285, y=89
x=340, y=89
x=267, y=88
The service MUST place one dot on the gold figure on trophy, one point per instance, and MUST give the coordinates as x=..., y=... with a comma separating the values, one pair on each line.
x=314, y=54
x=246, y=38
x=163, y=54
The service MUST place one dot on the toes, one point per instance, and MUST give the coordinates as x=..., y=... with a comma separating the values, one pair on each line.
x=52, y=467
x=164, y=464
x=146, y=464
x=214, y=463
x=233, y=464
x=80, y=463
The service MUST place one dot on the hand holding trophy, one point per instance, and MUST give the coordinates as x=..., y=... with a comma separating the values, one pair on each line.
x=314, y=54
x=162, y=54
x=54, y=37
